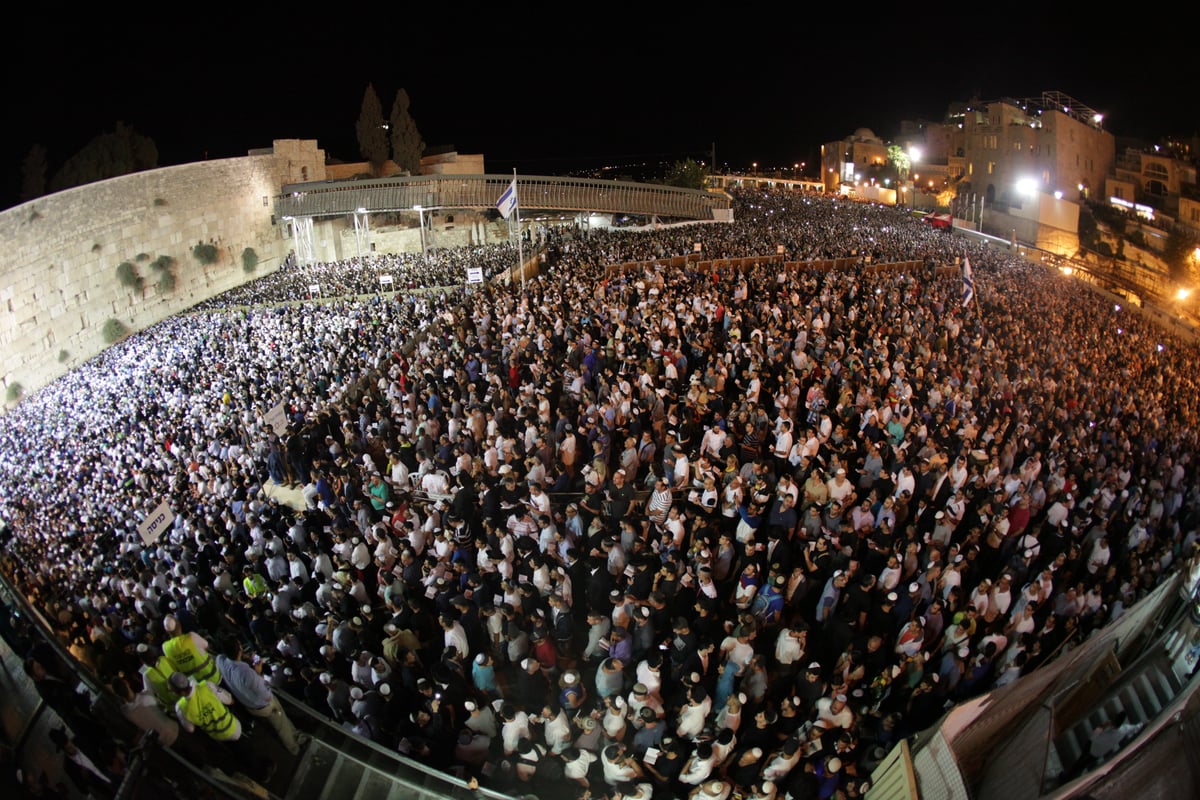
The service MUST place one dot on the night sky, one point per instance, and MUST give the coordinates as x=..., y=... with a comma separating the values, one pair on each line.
x=624, y=86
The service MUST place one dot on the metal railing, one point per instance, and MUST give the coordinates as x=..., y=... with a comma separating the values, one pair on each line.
x=535, y=193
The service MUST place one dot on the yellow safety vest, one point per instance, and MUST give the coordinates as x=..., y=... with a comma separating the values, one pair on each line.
x=187, y=658
x=254, y=585
x=158, y=675
x=206, y=711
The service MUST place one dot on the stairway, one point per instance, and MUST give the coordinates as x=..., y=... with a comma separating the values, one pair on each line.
x=1141, y=695
x=325, y=773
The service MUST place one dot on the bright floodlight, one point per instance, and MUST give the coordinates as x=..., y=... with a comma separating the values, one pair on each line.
x=1182, y=294
x=1027, y=187
x=914, y=154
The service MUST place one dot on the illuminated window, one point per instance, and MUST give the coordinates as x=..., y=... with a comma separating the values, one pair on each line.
x=991, y=169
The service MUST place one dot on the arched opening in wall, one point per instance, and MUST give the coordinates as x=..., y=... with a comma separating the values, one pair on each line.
x=1155, y=188
x=990, y=194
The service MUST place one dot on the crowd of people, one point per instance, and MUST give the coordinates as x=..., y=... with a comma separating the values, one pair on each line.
x=662, y=533
x=438, y=268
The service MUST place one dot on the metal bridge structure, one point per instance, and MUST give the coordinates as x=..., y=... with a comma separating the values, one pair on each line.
x=316, y=200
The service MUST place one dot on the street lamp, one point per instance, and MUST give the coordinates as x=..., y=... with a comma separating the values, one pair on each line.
x=421, y=215
x=361, y=231
x=755, y=166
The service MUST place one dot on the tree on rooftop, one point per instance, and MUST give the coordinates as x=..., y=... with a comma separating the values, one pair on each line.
x=33, y=173
x=372, y=135
x=407, y=146
x=109, y=155
x=687, y=174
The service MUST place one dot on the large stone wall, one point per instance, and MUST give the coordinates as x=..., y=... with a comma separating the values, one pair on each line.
x=58, y=269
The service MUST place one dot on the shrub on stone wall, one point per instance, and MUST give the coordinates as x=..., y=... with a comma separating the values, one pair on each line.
x=63, y=355
x=14, y=392
x=249, y=259
x=166, y=282
x=162, y=264
x=114, y=330
x=206, y=253
x=127, y=276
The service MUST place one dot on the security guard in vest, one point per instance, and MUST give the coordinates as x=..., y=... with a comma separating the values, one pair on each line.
x=253, y=583
x=155, y=671
x=203, y=706
x=188, y=652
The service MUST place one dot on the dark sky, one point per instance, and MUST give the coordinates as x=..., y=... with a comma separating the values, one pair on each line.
x=623, y=86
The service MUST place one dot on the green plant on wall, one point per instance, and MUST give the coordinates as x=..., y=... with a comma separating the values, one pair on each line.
x=206, y=253
x=127, y=276
x=141, y=258
x=63, y=355
x=114, y=330
x=158, y=201
x=162, y=264
x=249, y=259
x=14, y=392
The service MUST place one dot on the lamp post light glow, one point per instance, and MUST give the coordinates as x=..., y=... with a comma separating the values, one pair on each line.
x=1182, y=293
x=1027, y=187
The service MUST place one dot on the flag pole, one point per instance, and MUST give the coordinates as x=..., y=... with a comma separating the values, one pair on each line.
x=520, y=247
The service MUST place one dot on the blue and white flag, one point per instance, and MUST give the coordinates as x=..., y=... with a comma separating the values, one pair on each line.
x=508, y=200
x=968, y=279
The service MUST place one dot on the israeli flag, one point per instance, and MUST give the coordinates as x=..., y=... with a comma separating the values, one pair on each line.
x=508, y=201
x=968, y=279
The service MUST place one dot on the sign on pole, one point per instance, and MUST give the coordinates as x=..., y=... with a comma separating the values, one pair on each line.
x=277, y=419
x=159, y=520
x=474, y=274
x=385, y=279
x=314, y=288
